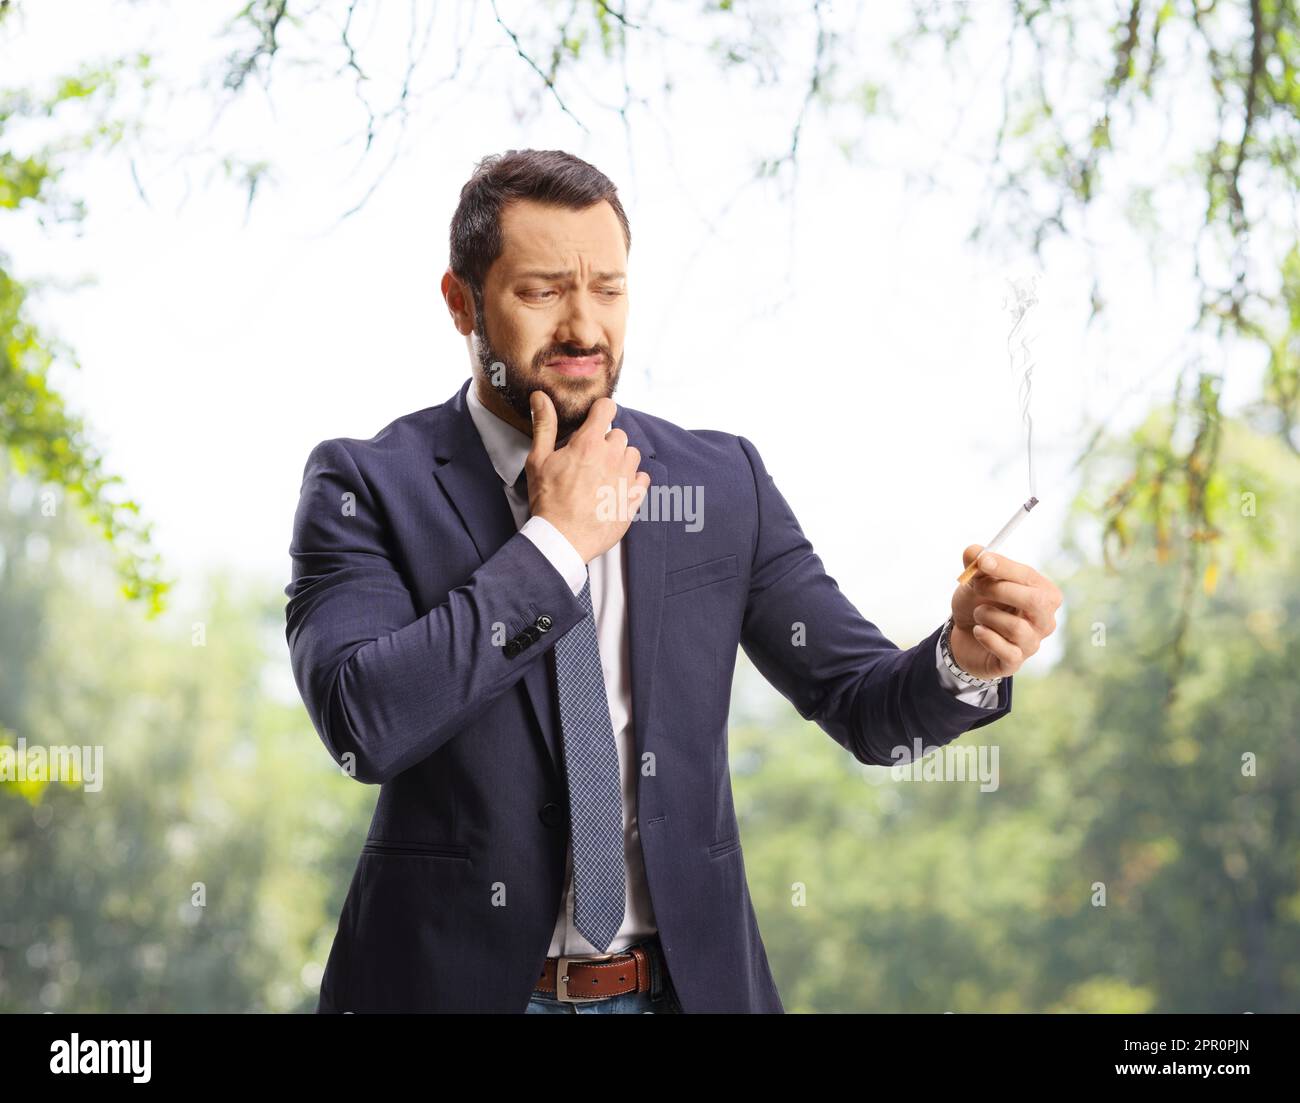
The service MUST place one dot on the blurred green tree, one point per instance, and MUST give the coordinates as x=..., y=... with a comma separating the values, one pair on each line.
x=208, y=870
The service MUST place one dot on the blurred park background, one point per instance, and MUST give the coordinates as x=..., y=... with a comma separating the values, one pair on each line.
x=221, y=231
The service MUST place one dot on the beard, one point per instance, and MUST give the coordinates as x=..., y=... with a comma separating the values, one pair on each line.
x=571, y=397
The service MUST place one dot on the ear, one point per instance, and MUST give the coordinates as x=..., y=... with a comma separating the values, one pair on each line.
x=460, y=303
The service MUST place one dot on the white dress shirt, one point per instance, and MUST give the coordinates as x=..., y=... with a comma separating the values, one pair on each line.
x=508, y=448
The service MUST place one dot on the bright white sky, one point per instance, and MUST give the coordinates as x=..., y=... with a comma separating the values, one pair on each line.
x=863, y=351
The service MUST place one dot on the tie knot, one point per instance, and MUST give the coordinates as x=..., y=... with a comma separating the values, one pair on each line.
x=521, y=483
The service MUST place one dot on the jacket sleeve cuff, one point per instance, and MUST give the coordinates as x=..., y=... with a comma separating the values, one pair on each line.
x=938, y=712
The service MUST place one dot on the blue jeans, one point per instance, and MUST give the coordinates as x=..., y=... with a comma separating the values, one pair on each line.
x=661, y=999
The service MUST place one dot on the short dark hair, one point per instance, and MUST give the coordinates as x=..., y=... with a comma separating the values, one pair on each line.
x=542, y=175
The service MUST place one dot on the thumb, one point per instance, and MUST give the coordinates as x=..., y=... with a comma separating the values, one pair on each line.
x=544, y=421
x=971, y=554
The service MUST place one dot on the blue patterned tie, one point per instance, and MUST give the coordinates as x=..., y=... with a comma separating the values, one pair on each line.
x=595, y=792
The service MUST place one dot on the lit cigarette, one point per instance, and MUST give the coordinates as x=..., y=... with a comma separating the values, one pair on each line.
x=996, y=542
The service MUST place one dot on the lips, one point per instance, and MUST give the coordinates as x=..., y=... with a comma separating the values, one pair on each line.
x=576, y=365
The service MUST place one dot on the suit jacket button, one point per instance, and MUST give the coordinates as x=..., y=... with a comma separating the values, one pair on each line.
x=551, y=814
x=543, y=623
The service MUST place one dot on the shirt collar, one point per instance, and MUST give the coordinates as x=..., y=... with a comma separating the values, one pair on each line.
x=506, y=446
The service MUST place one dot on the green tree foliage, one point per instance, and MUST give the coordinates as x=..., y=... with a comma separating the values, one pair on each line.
x=42, y=437
x=207, y=872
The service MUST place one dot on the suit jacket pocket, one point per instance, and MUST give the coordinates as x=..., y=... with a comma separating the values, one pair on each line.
x=451, y=851
x=700, y=574
x=727, y=846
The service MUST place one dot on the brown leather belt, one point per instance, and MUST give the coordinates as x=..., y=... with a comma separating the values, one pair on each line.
x=595, y=976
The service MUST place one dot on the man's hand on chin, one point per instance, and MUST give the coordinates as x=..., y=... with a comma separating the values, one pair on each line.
x=1001, y=616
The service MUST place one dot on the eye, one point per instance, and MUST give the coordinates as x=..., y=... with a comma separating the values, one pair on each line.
x=613, y=292
x=538, y=295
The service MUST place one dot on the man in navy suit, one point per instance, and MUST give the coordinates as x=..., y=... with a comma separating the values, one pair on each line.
x=518, y=612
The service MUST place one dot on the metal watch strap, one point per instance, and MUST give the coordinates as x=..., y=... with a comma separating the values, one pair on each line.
x=951, y=663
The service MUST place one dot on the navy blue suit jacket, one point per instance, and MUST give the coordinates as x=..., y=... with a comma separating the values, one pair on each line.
x=417, y=625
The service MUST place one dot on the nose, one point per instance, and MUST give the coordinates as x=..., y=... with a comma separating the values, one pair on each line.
x=578, y=328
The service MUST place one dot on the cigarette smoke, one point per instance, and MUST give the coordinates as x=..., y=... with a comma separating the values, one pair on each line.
x=1022, y=297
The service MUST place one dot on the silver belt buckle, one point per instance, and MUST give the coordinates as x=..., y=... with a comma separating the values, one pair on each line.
x=562, y=976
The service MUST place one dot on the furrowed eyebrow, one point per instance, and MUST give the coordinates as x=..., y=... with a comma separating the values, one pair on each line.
x=538, y=274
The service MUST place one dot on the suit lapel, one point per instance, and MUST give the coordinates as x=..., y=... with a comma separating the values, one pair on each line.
x=645, y=545
x=471, y=483
x=469, y=480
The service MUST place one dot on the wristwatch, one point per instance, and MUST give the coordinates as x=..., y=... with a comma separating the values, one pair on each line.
x=958, y=673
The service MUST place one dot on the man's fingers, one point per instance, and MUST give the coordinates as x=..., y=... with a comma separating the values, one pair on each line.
x=599, y=417
x=1031, y=602
x=544, y=422
x=1040, y=604
x=1009, y=653
x=997, y=565
x=968, y=556
x=639, y=487
x=1009, y=626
